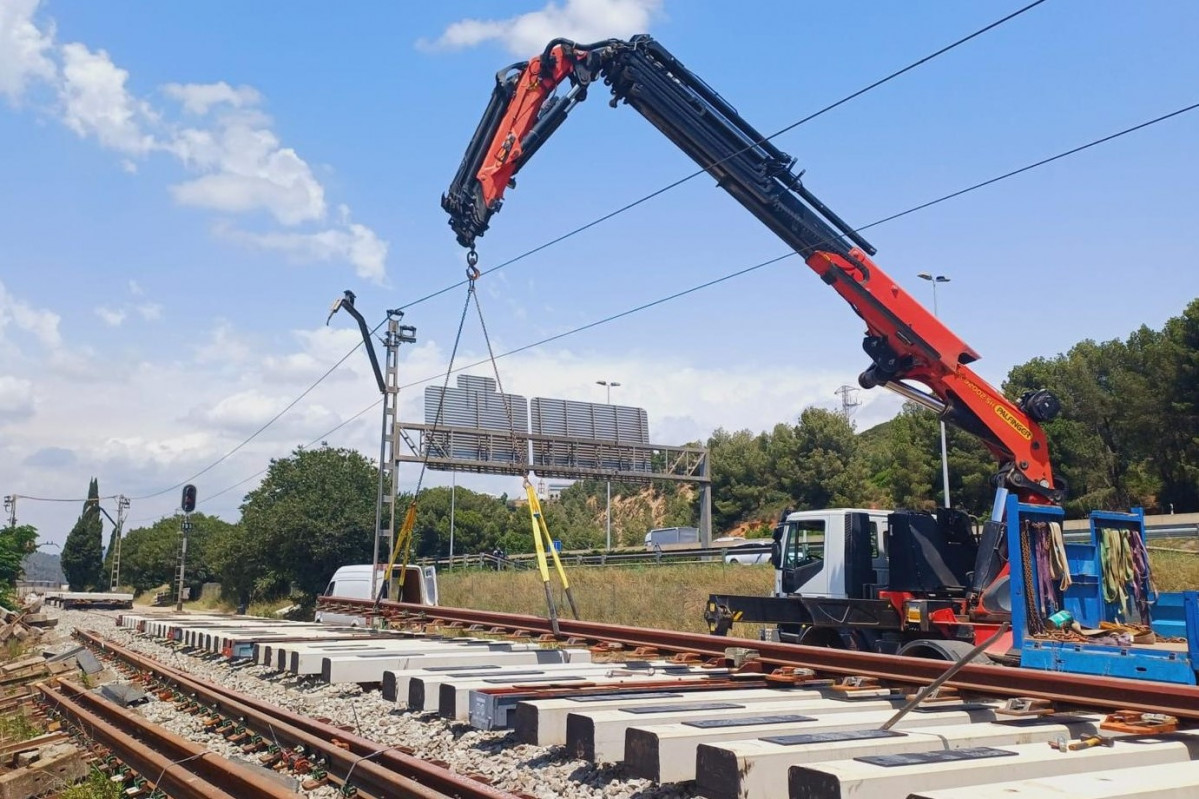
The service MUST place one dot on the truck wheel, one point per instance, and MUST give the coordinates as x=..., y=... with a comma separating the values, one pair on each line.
x=934, y=649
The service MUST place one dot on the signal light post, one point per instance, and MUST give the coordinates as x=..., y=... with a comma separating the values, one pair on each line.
x=188, y=504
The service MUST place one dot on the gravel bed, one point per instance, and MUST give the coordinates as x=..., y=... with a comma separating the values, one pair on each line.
x=544, y=772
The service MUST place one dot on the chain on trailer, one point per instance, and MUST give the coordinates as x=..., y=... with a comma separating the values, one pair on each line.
x=542, y=541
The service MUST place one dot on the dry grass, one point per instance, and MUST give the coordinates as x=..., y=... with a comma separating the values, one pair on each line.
x=1174, y=571
x=667, y=597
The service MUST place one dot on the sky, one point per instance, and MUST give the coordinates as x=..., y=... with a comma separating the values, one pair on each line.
x=186, y=187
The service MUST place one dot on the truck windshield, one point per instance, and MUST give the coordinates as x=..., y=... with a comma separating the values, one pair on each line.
x=805, y=542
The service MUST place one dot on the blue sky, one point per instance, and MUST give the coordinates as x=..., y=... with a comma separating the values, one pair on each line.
x=186, y=187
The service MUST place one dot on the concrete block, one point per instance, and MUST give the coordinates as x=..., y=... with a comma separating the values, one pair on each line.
x=1180, y=781
x=758, y=767
x=669, y=750
x=865, y=778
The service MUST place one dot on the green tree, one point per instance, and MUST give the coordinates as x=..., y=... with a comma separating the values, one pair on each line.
x=744, y=486
x=314, y=511
x=150, y=555
x=82, y=559
x=15, y=544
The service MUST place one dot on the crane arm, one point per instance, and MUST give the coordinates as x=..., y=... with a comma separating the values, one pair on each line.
x=906, y=344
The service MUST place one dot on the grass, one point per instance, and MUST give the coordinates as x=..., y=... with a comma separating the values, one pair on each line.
x=96, y=785
x=18, y=727
x=666, y=597
x=1174, y=571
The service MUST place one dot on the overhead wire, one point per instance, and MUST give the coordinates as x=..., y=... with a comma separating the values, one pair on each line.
x=264, y=426
x=746, y=270
x=776, y=259
x=604, y=218
x=698, y=172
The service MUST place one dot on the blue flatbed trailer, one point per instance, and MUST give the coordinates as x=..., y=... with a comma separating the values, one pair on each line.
x=1172, y=615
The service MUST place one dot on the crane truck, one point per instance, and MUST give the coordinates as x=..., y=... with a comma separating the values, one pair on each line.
x=891, y=582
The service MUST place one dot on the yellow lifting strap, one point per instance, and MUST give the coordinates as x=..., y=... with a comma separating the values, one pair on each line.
x=403, y=543
x=541, y=543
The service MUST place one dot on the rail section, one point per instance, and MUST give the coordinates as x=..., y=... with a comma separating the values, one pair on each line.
x=363, y=766
x=1002, y=681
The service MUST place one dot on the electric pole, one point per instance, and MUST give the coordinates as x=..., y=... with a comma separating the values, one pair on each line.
x=122, y=507
x=10, y=507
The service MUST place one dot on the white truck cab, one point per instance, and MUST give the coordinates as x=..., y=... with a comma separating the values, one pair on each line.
x=810, y=546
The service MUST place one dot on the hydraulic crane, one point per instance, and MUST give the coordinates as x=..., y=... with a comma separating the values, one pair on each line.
x=910, y=352
x=906, y=344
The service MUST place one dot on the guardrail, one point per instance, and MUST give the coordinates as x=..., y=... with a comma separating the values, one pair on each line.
x=682, y=555
x=593, y=558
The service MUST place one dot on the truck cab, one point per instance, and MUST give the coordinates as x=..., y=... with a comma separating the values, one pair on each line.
x=809, y=546
x=864, y=579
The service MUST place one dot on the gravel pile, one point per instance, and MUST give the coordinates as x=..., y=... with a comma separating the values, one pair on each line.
x=538, y=771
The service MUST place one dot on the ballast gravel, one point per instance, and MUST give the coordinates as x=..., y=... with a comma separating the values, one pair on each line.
x=543, y=772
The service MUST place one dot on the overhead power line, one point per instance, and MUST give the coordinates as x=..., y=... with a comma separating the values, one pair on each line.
x=753, y=268
x=675, y=184
x=610, y=215
x=264, y=426
x=776, y=259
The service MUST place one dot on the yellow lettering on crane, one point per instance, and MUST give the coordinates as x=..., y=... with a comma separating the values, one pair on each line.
x=1007, y=416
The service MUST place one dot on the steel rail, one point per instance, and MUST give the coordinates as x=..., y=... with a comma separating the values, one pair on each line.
x=174, y=774
x=1145, y=696
x=383, y=771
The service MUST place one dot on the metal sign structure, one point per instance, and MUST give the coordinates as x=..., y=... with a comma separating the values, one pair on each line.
x=467, y=428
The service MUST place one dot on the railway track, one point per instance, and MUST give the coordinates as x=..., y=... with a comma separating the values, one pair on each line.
x=312, y=747
x=1181, y=701
x=777, y=726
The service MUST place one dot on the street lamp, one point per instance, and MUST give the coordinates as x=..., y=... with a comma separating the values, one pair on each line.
x=608, y=386
x=935, y=279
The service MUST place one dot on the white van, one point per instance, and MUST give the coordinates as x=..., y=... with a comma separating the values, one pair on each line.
x=353, y=582
x=669, y=536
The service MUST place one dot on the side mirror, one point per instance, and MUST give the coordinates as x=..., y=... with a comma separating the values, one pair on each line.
x=776, y=553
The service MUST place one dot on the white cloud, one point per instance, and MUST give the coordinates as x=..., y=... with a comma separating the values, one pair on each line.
x=247, y=411
x=580, y=20
x=23, y=49
x=247, y=170
x=16, y=399
x=150, y=311
x=319, y=349
x=96, y=102
x=357, y=244
x=238, y=163
x=136, y=289
x=198, y=98
x=113, y=317
x=224, y=345
x=40, y=323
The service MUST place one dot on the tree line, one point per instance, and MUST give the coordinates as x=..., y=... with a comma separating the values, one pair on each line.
x=1128, y=435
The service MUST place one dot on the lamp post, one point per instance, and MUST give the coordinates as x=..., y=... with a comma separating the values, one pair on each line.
x=935, y=279
x=608, y=386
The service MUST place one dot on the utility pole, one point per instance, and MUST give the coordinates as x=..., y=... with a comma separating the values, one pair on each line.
x=935, y=279
x=122, y=507
x=388, y=380
x=10, y=507
x=608, y=385
x=453, y=502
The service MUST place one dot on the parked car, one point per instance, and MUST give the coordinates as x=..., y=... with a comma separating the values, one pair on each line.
x=746, y=555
